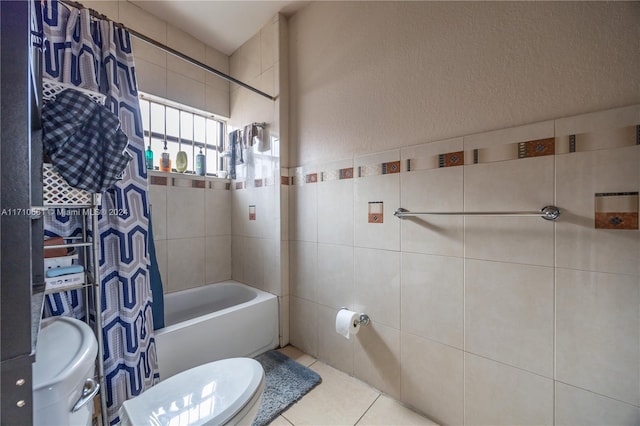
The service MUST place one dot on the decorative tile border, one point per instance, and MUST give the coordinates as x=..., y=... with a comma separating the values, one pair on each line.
x=423, y=163
x=340, y=174
x=451, y=159
x=216, y=184
x=572, y=143
x=594, y=141
x=622, y=136
x=387, y=168
x=187, y=182
x=616, y=210
x=536, y=148
x=158, y=180
x=257, y=183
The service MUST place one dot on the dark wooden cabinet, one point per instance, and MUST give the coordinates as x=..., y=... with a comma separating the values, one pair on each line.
x=21, y=273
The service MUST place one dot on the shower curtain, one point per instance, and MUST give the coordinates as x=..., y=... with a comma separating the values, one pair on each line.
x=95, y=54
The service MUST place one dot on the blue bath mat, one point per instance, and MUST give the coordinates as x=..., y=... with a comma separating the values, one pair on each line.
x=286, y=381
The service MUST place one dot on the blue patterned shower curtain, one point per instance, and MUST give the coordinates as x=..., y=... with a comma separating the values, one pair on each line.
x=95, y=54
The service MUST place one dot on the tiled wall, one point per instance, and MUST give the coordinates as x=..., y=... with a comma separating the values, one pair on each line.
x=257, y=251
x=480, y=320
x=191, y=219
x=163, y=74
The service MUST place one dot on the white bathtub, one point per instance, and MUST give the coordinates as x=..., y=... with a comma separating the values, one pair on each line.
x=217, y=321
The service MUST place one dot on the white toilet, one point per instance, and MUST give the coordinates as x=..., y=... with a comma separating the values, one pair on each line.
x=63, y=374
x=226, y=392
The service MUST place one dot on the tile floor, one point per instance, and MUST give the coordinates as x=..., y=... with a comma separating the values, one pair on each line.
x=343, y=400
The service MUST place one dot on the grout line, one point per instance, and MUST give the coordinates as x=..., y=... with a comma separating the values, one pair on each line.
x=464, y=297
x=285, y=419
x=509, y=365
x=368, y=408
x=597, y=393
x=555, y=274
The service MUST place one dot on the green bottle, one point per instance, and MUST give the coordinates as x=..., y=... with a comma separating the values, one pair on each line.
x=149, y=157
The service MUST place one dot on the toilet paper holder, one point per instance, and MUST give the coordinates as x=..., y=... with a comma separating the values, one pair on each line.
x=363, y=319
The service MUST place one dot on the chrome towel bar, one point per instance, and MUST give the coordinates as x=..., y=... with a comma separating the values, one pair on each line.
x=547, y=212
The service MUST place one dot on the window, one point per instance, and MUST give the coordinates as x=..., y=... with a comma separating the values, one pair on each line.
x=183, y=129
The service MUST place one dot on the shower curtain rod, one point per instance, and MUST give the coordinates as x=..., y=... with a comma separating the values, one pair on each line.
x=170, y=50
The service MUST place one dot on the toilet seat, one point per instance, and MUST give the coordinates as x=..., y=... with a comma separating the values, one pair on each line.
x=210, y=394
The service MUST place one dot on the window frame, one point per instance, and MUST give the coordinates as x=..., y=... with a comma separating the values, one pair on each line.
x=212, y=145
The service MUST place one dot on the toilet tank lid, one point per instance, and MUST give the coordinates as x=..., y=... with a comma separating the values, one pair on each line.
x=211, y=393
x=66, y=347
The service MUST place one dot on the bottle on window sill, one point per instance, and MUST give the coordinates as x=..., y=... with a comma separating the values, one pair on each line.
x=165, y=160
x=201, y=164
x=149, y=157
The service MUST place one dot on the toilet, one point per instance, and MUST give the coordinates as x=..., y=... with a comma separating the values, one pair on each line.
x=63, y=374
x=225, y=392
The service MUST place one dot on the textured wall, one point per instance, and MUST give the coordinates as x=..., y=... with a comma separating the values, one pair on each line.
x=469, y=107
x=163, y=74
x=367, y=76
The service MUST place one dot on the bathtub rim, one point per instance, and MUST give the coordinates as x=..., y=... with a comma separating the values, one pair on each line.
x=261, y=295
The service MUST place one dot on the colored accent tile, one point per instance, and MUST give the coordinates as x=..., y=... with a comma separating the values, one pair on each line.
x=258, y=183
x=252, y=212
x=451, y=159
x=285, y=180
x=638, y=135
x=572, y=143
x=616, y=210
x=376, y=209
x=346, y=173
x=239, y=185
x=158, y=180
x=536, y=148
x=617, y=220
x=476, y=156
x=391, y=167
x=198, y=184
x=311, y=178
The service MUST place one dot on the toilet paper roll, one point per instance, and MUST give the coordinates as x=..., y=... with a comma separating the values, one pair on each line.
x=347, y=323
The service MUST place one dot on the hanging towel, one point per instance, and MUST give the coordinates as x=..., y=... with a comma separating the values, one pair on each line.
x=263, y=144
x=234, y=142
x=250, y=130
x=84, y=141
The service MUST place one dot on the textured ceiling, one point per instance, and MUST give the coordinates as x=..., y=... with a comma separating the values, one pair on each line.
x=224, y=25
